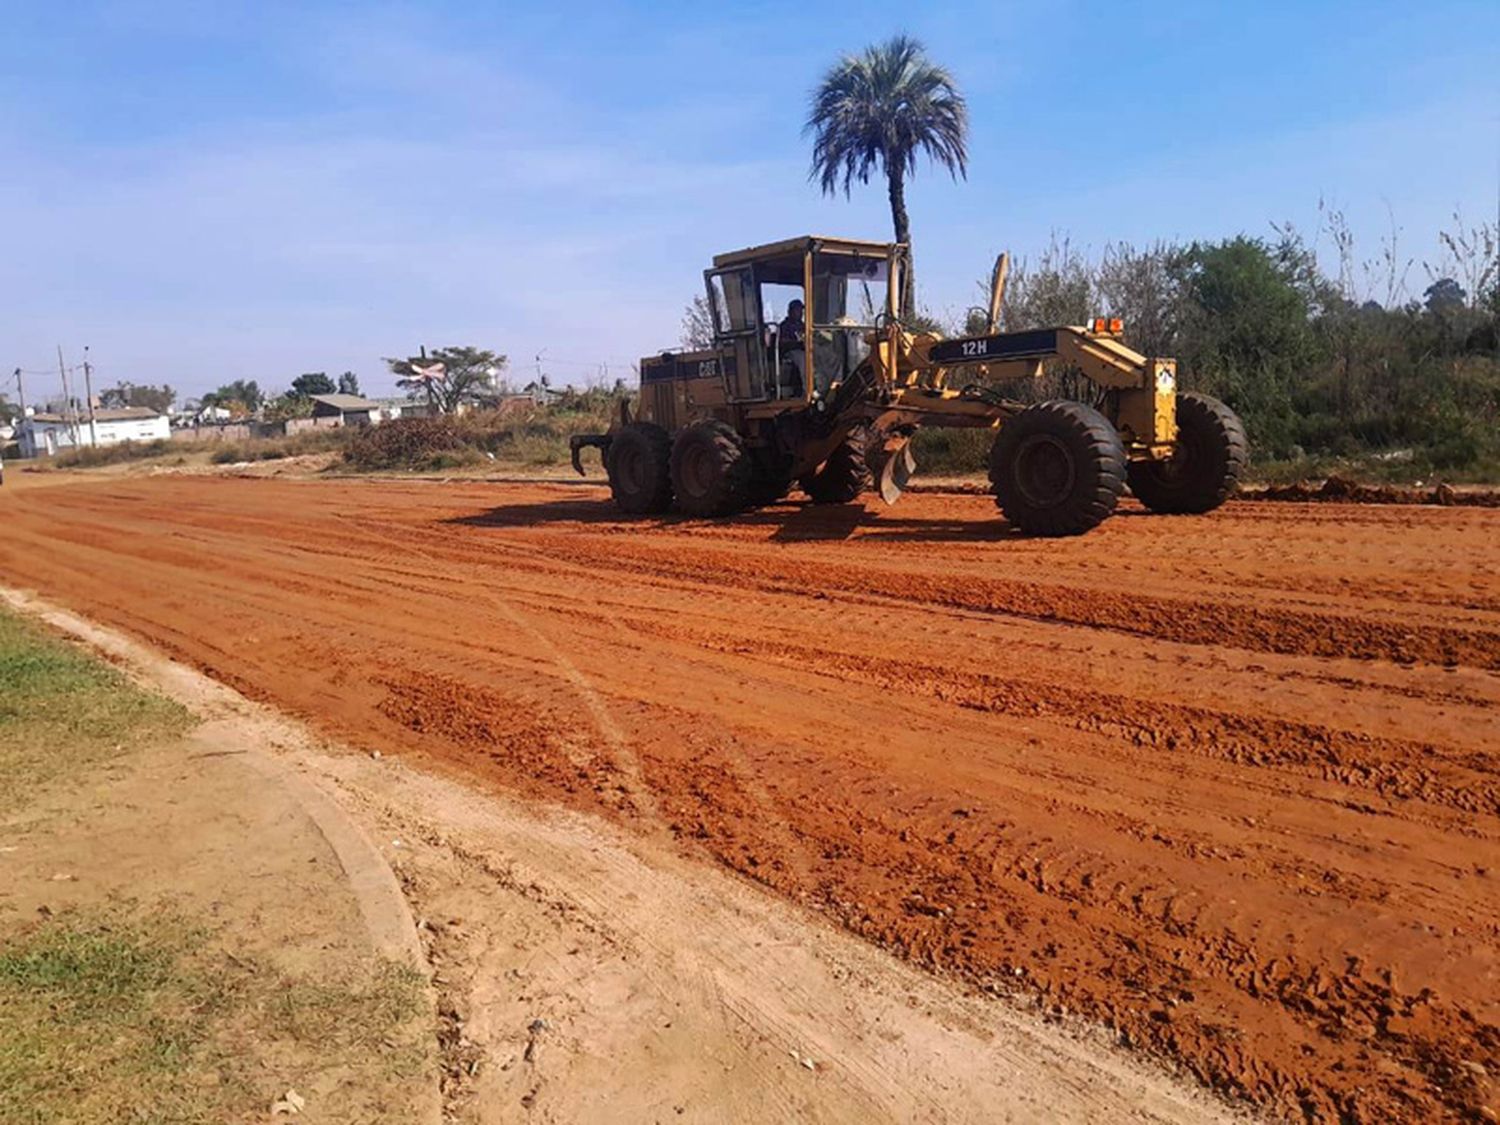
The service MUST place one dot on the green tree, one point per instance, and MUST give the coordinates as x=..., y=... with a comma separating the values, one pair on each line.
x=448, y=377
x=349, y=383
x=1245, y=332
x=312, y=383
x=1445, y=297
x=159, y=399
x=877, y=111
x=288, y=405
x=243, y=396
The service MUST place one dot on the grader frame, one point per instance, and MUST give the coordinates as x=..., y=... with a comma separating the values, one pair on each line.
x=784, y=409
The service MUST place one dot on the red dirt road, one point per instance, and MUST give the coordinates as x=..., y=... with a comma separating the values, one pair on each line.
x=1229, y=784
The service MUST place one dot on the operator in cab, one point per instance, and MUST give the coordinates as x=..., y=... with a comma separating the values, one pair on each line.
x=789, y=339
x=791, y=328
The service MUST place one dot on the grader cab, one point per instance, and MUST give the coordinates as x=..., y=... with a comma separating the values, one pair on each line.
x=813, y=379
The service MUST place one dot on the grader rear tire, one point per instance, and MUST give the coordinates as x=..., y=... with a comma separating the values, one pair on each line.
x=711, y=470
x=845, y=476
x=1057, y=468
x=1212, y=451
x=639, y=469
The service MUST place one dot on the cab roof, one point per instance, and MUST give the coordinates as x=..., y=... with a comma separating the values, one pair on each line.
x=801, y=245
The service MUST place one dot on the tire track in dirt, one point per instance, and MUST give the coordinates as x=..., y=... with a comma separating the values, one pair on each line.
x=989, y=755
x=1466, y=780
x=1011, y=912
x=1182, y=621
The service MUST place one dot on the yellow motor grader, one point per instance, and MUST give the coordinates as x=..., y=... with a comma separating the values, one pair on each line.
x=829, y=396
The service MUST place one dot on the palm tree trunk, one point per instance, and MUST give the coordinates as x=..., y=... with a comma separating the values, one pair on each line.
x=897, y=176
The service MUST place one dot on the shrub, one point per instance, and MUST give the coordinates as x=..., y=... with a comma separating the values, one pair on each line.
x=408, y=443
x=534, y=436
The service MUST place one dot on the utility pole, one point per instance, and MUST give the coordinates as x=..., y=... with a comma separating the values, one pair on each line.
x=70, y=414
x=88, y=389
x=21, y=392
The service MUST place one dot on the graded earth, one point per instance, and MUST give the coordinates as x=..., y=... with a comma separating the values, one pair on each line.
x=1225, y=784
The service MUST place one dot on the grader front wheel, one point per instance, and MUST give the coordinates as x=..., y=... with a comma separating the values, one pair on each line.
x=845, y=476
x=1057, y=468
x=1211, y=453
x=637, y=462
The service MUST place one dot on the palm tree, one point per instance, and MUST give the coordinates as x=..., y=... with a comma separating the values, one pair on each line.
x=879, y=109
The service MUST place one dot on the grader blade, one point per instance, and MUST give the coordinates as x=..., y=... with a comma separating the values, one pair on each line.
x=897, y=470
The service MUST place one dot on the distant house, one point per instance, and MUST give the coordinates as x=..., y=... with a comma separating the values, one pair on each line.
x=43, y=434
x=344, y=410
x=393, y=408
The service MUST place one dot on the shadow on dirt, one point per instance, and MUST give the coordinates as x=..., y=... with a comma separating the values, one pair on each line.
x=790, y=521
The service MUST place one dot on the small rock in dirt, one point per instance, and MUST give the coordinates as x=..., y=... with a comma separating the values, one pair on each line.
x=375, y=754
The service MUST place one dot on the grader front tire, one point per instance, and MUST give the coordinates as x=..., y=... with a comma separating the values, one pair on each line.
x=1212, y=451
x=845, y=476
x=711, y=470
x=638, y=464
x=1057, y=468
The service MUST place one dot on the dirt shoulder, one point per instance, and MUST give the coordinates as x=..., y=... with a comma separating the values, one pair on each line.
x=584, y=972
x=180, y=938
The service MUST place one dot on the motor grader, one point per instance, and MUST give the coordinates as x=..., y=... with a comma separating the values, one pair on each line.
x=829, y=401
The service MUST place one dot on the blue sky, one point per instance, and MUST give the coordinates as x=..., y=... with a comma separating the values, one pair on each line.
x=210, y=191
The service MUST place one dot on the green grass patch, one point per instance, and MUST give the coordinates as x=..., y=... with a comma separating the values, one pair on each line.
x=1401, y=466
x=62, y=709
x=106, y=1018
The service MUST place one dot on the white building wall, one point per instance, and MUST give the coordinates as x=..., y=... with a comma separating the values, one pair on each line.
x=42, y=439
x=128, y=429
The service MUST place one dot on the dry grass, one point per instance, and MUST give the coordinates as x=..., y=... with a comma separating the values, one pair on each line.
x=220, y=452
x=536, y=437
x=93, y=457
x=111, y=1018
x=274, y=449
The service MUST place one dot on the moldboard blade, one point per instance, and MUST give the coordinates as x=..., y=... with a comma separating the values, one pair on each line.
x=896, y=473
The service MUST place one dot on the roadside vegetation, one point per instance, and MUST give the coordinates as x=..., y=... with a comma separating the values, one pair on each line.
x=534, y=437
x=135, y=1011
x=1364, y=372
x=218, y=452
x=128, y=1015
x=62, y=711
